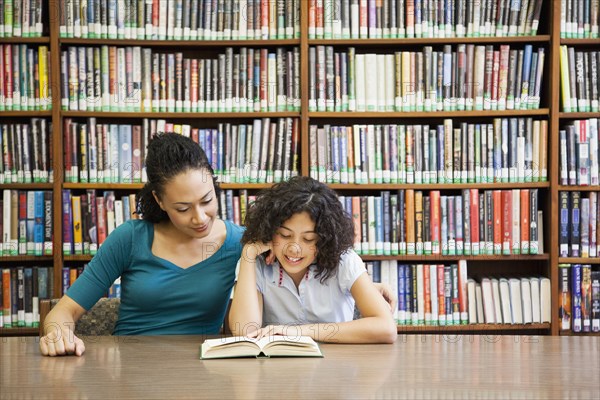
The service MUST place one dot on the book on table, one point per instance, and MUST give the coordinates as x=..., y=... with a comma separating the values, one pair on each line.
x=268, y=346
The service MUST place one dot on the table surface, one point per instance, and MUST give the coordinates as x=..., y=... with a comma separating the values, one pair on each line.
x=416, y=366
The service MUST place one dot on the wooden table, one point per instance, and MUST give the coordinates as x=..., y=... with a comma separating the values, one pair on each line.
x=416, y=366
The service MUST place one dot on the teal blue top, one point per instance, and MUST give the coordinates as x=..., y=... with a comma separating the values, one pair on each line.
x=157, y=296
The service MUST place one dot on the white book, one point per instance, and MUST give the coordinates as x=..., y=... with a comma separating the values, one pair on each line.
x=535, y=299
x=526, y=300
x=516, y=304
x=488, y=301
x=360, y=83
x=479, y=302
x=371, y=82
x=497, y=300
x=472, y=301
x=505, y=301
x=382, y=81
x=434, y=293
x=545, y=300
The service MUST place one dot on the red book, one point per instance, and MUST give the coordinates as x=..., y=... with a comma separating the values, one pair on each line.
x=474, y=211
x=525, y=221
x=506, y=221
x=497, y=205
x=101, y=219
x=441, y=295
x=434, y=227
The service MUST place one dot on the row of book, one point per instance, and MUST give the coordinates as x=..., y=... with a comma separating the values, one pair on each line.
x=26, y=152
x=344, y=19
x=21, y=290
x=412, y=222
x=264, y=151
x=180, y=19
x=444, y=295
x=454, y=78
x=579, y=83
x=21, y=18
x=506, y=150
x=579, y=19
x=110, y=78
x=25, y=83
x=26, y=225
x=88, y=218
x=579, y=297
x=580, y=152
x=579, y=224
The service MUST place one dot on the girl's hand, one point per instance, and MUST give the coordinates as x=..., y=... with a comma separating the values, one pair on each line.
x=253, y=250
x=269, y=330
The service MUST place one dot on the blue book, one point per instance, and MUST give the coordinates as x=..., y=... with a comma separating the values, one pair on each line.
x=576, y=297
x=38, y=225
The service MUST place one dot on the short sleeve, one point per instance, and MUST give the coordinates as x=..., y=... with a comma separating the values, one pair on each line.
x=351, y=267
x=260, y=274
x=108, y=264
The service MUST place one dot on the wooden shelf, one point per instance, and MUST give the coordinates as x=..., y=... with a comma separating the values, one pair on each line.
x=571, y=333
x=578, y=115
x=181, y=115
x=103, y=186
x=578, y=260
x=429, y=41
x=568, y=188
x=23, y=40
x=429, y=114
x=25, y=186
x=472, y=328
x=438, y=186
x=436, y=257
x=19, y=331
x=16, y=259
x=571, y=42
x=26, y=114
x=181, y=43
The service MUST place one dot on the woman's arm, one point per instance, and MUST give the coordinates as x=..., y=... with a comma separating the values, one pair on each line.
x=59, y=329
x=245, y=315
x=376, y=326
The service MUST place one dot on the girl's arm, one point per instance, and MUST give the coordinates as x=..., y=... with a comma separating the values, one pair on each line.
x=245, y=315
x=59, y=329
x=376, y=325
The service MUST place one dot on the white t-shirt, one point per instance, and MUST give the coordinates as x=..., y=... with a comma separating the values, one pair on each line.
x=313, y=301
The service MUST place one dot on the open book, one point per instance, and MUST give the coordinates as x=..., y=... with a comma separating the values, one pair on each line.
x=269, y=346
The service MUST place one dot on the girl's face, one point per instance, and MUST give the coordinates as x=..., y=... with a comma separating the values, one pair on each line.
x=295, y=244
x=191, y=202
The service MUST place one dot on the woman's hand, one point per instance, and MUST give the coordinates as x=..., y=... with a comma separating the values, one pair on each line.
x=60, y=342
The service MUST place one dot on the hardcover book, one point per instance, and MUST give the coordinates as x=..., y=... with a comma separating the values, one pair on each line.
x=269, y=346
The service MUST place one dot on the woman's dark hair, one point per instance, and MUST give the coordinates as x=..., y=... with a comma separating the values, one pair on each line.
x=169, y=154
x=276, y=205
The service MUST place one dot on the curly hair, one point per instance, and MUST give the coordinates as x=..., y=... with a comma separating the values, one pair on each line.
x=276, y=205
x=169, y=154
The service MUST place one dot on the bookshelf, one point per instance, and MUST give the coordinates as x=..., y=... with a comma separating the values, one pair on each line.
x=548, y=37
x=563, y=258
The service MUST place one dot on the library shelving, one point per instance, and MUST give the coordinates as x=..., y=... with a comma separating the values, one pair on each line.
x=318, y=40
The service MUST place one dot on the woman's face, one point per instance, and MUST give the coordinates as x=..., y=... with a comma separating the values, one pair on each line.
x=190, y=201
x=295, y=243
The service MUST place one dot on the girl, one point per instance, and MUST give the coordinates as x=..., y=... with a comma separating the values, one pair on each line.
x=312, y=286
